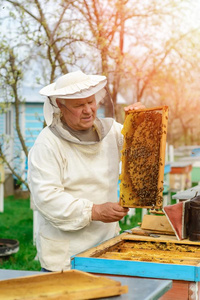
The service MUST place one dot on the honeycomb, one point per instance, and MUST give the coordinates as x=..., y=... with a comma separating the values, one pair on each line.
x=153, y=252
x=143, y=158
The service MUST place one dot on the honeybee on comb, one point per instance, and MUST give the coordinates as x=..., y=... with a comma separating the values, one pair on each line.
x=143, y=158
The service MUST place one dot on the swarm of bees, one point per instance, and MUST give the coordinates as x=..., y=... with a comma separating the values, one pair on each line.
x=143, y=158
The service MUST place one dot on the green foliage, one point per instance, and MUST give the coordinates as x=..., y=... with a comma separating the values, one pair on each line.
x=131, y=221
x=17, y=223
x=4, y=107
x=12, y=15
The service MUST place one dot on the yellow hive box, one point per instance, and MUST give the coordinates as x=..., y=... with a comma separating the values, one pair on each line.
x=143, y=158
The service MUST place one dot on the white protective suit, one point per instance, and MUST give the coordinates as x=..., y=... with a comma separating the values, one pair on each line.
x=65, y=178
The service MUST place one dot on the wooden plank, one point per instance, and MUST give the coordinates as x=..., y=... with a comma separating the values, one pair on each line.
x=161, y=238
x=146, y=109
x=157, y=223
x=159, y=201
x=139, y=231
x=197, y=274
x=149, y=232
x=96, y=250
x=60, y=285
x=135, y=268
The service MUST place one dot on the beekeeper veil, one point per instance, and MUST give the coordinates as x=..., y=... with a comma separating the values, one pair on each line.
x=77, y=85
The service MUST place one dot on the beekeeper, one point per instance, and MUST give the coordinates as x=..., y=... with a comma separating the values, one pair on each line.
x=73, y=170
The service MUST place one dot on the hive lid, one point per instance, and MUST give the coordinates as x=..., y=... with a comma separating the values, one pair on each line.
x=187, y=194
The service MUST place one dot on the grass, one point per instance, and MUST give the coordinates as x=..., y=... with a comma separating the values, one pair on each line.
x=16, y=222
x=131, y=221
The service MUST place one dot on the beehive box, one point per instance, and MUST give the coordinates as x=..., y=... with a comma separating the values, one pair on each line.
x=143, y=256
x=143, y=158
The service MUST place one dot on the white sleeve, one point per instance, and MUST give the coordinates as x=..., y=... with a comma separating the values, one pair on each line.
x=50, y=198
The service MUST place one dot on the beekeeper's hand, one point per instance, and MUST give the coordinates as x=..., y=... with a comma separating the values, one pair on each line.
x=137, y=105
x=108, y=212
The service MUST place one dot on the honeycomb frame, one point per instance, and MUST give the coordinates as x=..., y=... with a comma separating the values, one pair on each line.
x=143, y=158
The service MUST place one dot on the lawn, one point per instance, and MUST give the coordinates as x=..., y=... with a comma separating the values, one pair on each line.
x=16, y=222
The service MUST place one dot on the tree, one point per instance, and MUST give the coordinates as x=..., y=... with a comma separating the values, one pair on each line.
x=135, y=40
x=136, y=44
x=178, y=88
x=11, y=76
x=33, y=36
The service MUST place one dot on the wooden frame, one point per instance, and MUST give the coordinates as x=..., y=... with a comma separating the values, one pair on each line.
x=72, y=284
x=89, y=261
x=143, y=158
x=186, y=278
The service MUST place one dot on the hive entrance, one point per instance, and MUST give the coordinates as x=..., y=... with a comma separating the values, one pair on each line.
x=143, y=158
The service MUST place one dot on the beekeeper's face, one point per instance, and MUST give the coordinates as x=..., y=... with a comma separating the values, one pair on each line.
x=79, y=114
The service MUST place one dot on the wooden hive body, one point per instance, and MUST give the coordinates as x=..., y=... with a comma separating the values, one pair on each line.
x=143, y=256
x=143, y=158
